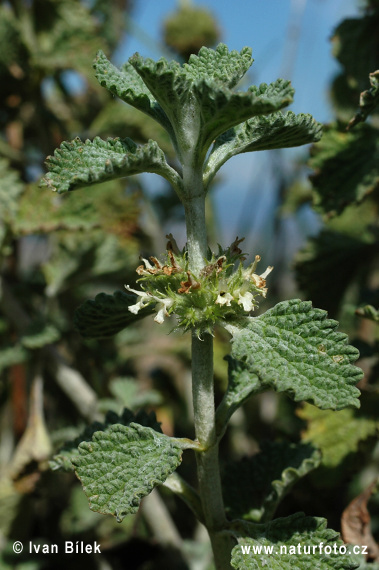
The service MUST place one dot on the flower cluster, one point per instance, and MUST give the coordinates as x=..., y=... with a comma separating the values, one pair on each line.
x=223, y=290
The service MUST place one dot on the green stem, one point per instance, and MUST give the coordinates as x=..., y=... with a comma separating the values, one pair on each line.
x=202, y=383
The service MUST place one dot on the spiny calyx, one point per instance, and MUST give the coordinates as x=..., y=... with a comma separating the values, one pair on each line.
x=222, y=291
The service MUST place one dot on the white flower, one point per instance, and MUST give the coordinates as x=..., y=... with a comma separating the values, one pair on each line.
x=246, y=299
x=224, y=299
x=161, y=308
x=143, y=299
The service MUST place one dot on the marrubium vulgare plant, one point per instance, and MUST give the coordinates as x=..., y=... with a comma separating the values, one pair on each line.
x=292, y=348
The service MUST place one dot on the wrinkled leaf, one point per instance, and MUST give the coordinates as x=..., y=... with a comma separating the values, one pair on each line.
x=254, y=486
x=11, y=355
x=294, y=348
x=122, y=464
x=203, y=89
x=346, y=166
x=324, y=267
x=63, y=459
x=368, y=312
x=281, y=538
x=106, y=315
x=277, y=130
x=127, y=84
x=336, y=434
x=38, y=334
x=368, y=101
x=76, y=164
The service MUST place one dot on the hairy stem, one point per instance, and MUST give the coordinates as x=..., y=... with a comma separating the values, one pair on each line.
x=203, y=387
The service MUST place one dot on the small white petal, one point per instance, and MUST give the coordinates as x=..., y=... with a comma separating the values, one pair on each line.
x=246, y=300
x=224, y=299
x=268, y=270
x=161, y=308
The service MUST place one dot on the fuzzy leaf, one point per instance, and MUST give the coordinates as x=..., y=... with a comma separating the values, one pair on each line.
x=241, y=385
x=127, y=84
x=122, y=464
x=324, y=269
x=202, y=90
x=368, y=101
x=277, y=130
x=368, y=312
x=76, y=164
x=222, y=108
x=267, y=544
x=219, y=64
x=294, y=348
x=254, y=486
x=336, y=434
x=12, y=355
x=346, y=166
x=62, y=461
x=38, y=334
x=106, y=315
x=11, y=188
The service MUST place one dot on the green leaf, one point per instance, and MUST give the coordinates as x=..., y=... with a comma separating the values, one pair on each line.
x=76, y=164
x=368, y=312
x=106, y=315
x=346, y=166
x=220, y=64
x=11, y=355
x=11, y=188
x=294, y=348
x=336, y=434
x=62, y=461
x=368, y=101
x=38, y=334
x=127, y=84
x=277, y=130
x=222, y=108
x=122, y=464
x=254, y=486
x=324, y=268
x=292, y=542
x=241, y=385
x=198, y=98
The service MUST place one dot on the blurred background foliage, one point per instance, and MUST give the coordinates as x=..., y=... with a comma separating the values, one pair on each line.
x=57, y=251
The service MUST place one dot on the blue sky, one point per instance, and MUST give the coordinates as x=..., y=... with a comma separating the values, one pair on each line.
x=246, y=194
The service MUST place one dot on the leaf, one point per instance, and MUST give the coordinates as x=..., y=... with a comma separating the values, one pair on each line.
x=202, y=89
x=336, y=434
x=220, y=64
x=295, y=542
x=122, y=464
x=11, y=189
x=127, y=84
x=294, y=348
x=324, y=268
x=277, y=130
x=38, y=334
x=105, y=206
x=62, y=461
x=346, y=166
x=368, y=312
x=76, y=164
x=369, y=99
x=355, y=523
x=11, y=355
x=107, y=315
x=254, y=486
x=241, y=385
